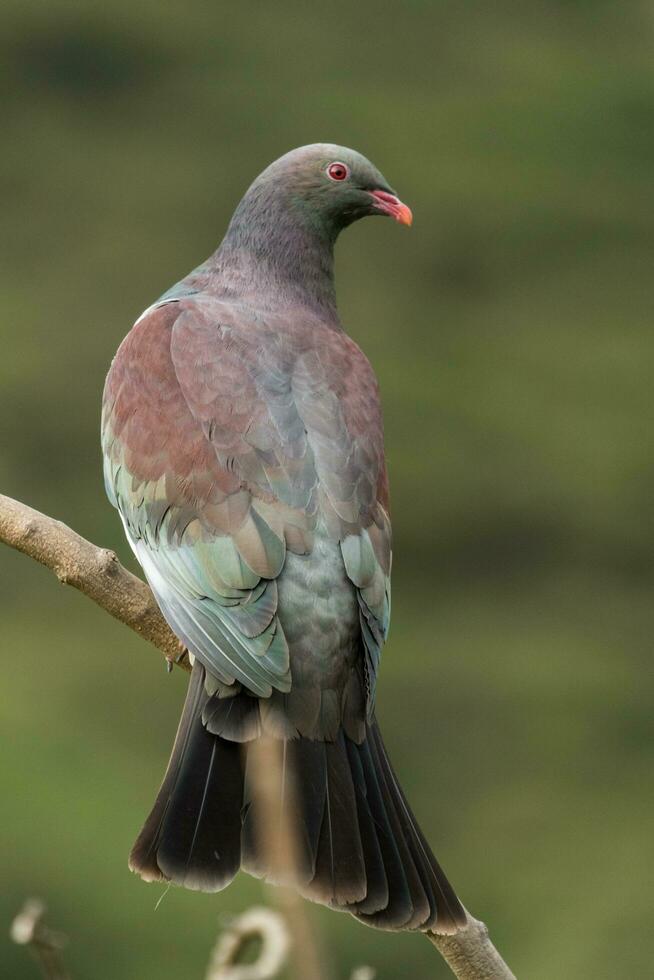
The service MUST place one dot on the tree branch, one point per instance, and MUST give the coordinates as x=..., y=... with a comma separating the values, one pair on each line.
x=98, y=574
x=94, y=571
x=470, y=954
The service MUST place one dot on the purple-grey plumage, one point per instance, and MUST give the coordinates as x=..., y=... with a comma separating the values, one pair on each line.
x=243, y=447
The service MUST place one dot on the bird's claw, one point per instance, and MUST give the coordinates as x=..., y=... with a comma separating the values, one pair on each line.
x=177, y=658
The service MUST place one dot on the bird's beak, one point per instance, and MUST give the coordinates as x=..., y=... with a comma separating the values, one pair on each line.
x=390, y=204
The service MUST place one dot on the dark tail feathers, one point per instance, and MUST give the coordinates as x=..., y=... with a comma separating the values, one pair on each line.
x=360, y=848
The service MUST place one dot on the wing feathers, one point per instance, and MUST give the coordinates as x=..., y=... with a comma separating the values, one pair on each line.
x=227, y=436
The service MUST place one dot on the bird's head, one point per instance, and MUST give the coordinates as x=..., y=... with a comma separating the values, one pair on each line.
x=331, y=186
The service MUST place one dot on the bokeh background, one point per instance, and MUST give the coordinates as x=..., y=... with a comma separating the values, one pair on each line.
x=511, y=330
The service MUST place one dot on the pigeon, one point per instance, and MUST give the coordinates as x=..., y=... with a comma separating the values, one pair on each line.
x=243, y=449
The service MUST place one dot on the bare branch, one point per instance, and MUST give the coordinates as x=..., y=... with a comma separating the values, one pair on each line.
x=278, y=838
x=28, y=929
x=270, y=929
x=97, y=573
x=470, y=954
x=260, y=923
x=94, y=571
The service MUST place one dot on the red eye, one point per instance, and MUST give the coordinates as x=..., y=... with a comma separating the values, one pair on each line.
x=337, y=171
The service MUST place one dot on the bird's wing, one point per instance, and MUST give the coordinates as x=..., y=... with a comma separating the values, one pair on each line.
x=367, y=562
x=213, y=479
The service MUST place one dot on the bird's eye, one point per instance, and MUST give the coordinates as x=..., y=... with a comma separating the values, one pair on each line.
x=337, y=171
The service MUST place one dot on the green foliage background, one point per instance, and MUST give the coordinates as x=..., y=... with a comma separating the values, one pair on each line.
x=511, y=331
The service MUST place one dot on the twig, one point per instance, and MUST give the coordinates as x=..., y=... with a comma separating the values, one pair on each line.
x=470, y=954
x=94, y=571
x=28, y=929
x=270, y=929
x=278, y=840
x=257, y=923
x=98, y=573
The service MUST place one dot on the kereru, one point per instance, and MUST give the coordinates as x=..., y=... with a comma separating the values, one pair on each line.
x=243, y=448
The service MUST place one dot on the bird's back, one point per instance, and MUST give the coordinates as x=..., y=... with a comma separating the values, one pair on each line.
x=261, y=429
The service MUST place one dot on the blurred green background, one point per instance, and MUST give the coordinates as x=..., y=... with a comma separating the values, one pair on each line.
x=511, y=331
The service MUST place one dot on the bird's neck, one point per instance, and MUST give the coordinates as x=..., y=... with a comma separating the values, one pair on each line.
x=277, y=254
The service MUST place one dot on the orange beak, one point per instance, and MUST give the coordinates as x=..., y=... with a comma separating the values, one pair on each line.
x=391, y=205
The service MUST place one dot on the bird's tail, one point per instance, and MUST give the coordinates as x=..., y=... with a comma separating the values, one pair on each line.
x=358, y=846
